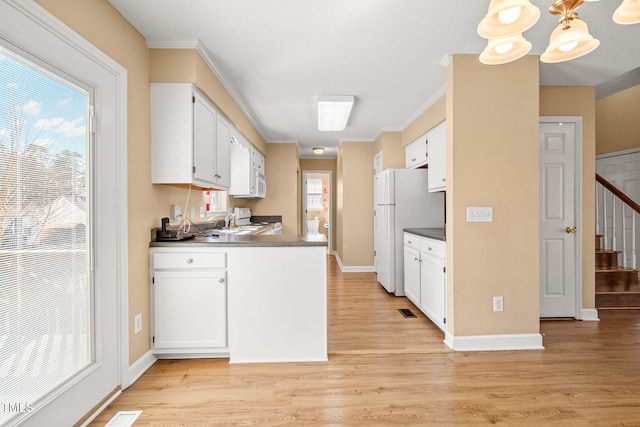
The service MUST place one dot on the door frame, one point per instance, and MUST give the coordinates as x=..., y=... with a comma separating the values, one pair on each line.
x=577, y=201
x=64, y=48
x=303, y=214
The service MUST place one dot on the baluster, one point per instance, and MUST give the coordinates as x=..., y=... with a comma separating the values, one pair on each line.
x=634, y=215
x=623, y=219
x=604, y=219
x=598, y=213
x=614, y=234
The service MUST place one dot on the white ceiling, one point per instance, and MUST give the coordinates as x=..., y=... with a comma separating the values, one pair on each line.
x=277, y=56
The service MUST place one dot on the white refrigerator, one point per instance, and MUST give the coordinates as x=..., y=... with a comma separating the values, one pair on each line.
x=402, y=200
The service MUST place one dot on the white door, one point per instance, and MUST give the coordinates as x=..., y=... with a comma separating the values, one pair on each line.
x=559, y=228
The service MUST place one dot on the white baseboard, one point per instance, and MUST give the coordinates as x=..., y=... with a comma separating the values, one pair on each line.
x=139, y=367
x=354, y=268
x=494, y=342
x=101, y=408
x=589, y=314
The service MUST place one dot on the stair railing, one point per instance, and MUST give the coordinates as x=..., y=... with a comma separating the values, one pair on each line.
x=617, y=219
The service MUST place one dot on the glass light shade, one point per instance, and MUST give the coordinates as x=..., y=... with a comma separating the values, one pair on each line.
x=318, y=150
x=562, y=40
x=505, y=49
x=627, y=13
x=333, y=112
x=496, y=23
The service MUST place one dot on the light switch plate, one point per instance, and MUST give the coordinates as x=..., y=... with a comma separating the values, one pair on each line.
x=480, y=214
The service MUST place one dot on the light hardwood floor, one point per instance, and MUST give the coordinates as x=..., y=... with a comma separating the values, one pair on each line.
x=385, y=369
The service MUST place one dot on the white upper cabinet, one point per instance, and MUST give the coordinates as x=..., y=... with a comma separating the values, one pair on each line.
x=189, y=138
x=438, y=157
x=242, y=180
x=416, y=153
x=223, y=153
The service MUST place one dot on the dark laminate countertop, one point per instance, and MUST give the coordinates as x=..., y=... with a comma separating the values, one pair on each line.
x=432, y=233
x=255, y=240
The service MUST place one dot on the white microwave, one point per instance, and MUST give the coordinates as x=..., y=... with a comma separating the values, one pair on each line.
x=258, y=188
x=261, y=185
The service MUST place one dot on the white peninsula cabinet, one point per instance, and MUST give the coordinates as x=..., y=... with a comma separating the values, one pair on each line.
x=189, y=138
x=251, y=299
x=425, y=276
x=189, y=302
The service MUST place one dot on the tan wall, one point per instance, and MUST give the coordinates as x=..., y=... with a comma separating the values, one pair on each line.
x=618, y=121
x=325, y=165
x=282, y=187
x=426, y=121
x=390, y=143
x=492, y=160
x=580, y=101
x=187, y=66
x=105, y=28
x=354, y=242
x=338, y=247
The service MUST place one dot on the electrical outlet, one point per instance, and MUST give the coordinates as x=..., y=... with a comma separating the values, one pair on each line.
x=175, y=213
x=480, y=214
x=498, y=304
x=201, y=211
x=192, y=213
x=137, y=323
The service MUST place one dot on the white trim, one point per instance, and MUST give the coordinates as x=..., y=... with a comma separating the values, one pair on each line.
x=494, y=342
x=354, y=268
x=140, y=366
x=618, y=153
x=237, y=95
x=428, y=104
x=102, y=407
x=577, y=120
x=589, y=314
x=304, y=201
x=43, y=37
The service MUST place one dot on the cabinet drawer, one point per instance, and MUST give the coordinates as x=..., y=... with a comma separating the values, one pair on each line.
x=412, y=241
x=434, y=248
x=189, y=261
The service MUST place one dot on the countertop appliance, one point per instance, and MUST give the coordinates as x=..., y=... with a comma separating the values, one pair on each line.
x=402, y=200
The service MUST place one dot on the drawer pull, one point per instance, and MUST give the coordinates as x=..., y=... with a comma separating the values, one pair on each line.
x=429, y=249
x=221, y=280
x=189, y=260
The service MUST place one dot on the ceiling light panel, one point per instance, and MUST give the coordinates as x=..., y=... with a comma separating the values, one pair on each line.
x=333, y=112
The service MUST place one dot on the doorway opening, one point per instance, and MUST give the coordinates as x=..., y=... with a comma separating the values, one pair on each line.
x=317, y=205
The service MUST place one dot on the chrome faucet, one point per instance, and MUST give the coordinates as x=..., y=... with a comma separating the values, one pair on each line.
x=230, y=218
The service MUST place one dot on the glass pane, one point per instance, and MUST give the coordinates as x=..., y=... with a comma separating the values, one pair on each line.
x=45, y=294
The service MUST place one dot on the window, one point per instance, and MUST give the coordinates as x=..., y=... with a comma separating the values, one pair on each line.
x=45, y=233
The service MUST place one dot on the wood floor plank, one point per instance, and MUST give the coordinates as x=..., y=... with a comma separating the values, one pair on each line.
x=385, y=369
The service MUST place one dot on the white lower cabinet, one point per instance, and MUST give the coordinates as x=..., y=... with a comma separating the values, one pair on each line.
x=412, y=269
x=189, y=310
x=425, y=275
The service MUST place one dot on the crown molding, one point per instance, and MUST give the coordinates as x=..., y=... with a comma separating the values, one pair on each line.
x=432, y=100
x=236, y=95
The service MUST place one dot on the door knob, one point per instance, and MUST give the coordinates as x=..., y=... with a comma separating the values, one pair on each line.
x=571, y=229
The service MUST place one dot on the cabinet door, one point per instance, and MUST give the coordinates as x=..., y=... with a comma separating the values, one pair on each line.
x=412, y=275
x=190, y=309
x=222, y=155
x=416, y=154
x=204, y=122
x=432, y=289
x=438, y=158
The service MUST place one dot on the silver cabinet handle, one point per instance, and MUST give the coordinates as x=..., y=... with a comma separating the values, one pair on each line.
x=221, y=280
x=189, y=260
x=429, y=249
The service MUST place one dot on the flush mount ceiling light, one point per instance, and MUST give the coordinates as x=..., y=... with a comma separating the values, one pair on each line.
x=333, y=112
x=507, y=19
x=318, y=150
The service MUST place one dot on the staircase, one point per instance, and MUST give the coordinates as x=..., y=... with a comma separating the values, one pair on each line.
x=616, y=287
x=617, y=244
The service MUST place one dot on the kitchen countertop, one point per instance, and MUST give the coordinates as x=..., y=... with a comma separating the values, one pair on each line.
x=431, y=233
x=248, y=240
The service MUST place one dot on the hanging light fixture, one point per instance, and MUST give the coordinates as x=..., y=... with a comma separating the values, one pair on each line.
x=505, y=49
x=627, y=13
x=318, y=150
x=507, y=19
x=570, y=40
